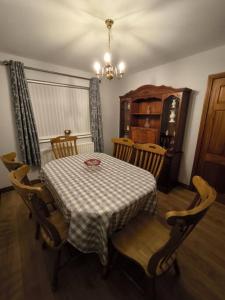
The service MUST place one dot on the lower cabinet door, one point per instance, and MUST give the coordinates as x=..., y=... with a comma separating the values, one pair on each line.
x=144, y=135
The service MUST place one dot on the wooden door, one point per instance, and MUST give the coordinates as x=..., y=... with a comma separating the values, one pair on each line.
x=210, y=152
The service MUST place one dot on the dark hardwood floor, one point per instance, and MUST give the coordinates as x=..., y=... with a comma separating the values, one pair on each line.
x=25, y=268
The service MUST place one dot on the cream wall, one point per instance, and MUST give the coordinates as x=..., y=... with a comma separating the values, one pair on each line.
x=110, y=112
x=7, y=125
x=191, y=72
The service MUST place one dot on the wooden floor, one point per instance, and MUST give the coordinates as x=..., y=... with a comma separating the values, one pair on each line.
x=25, y=268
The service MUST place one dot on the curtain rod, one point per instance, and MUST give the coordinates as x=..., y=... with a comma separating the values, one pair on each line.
x=57, y=84
x=5, y=62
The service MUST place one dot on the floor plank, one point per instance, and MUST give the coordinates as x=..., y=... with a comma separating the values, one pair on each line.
x=25, y=269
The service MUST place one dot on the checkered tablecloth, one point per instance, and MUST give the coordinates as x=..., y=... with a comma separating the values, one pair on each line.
x=97, y=202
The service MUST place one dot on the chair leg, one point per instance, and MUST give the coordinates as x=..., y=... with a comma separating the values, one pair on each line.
x=114, y=258
x=150, y=288
x=105, y=271
x=30, y=215
x=55, y=271
x=176, y=267
x=37, y=233
x=44, y=246
x=153, y=288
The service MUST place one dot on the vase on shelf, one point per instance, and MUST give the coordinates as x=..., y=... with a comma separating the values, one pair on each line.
x=148, y=109
x=147, y=123
x=172, y=116
x=174, y=103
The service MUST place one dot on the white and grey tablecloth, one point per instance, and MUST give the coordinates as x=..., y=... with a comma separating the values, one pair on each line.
x=97, y=202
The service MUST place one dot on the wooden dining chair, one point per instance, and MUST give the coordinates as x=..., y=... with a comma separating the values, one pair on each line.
x=49, y=221
x=63, y=146
x=123, y=148
x=18, y=178
x=10, y=162
x=149, y=157
x=151, y=245
x=54, y=232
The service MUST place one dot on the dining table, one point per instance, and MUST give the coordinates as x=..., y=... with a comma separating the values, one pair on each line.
x=98, y=201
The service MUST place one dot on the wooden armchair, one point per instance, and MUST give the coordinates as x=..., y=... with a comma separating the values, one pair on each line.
x=149, y=157
x=49, y=221
x=10, y=162
x=63, y=146
x=154, y=247
x=18, y=179
x=123, y=148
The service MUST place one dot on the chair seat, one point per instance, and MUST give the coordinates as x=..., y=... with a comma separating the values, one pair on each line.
x=45, y=194
x=141, y=238
x=57, y=219
x=39, y=184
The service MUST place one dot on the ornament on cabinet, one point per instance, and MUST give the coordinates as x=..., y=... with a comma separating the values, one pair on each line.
x=173, y=104
x=172, y=116
x=148, y=109
x=172, y=112
x=147, y=123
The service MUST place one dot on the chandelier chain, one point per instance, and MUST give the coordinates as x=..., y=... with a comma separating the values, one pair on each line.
x=109, y=37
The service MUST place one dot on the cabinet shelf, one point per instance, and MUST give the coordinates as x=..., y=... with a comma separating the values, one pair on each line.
x=144, y=128
x=146, y=114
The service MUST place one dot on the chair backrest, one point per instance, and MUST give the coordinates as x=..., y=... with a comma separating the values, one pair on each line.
x=182, y=222
x=123, y=148
x=18, y=179
x=63, y=146
x=9, y=160
x=149, y=157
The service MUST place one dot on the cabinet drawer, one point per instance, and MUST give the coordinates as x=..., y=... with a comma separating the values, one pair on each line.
x=144, y=135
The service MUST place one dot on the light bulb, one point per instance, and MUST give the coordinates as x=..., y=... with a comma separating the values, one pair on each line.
x=97, y=67
x=107, y=58
x=121, y=67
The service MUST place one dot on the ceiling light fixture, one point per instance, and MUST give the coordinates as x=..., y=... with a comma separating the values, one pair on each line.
x=108, y=70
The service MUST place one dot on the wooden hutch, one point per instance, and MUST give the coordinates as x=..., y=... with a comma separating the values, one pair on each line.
x=157, y=114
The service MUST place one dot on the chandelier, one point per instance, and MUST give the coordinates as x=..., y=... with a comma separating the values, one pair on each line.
x=108, y=70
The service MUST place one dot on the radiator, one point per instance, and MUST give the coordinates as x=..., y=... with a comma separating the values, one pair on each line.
x=87, y=147
x=47, y=154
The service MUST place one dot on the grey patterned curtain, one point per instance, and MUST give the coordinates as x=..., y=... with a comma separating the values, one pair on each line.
x=25, y=123
x=96, y=115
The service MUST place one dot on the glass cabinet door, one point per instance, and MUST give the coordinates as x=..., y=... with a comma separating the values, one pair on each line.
x=125, y=118
x=169, y=123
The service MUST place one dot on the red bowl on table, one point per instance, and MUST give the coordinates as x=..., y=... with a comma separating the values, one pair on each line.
x=92, y=163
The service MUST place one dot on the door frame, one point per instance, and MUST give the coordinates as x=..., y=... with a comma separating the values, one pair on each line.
x=203, y=120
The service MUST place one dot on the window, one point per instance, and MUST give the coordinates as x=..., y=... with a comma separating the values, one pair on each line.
x=58, y=107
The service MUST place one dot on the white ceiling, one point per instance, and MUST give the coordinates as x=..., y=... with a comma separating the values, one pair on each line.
x=146, y=33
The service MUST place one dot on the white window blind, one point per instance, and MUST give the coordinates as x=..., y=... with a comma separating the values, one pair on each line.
x=58, y=107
